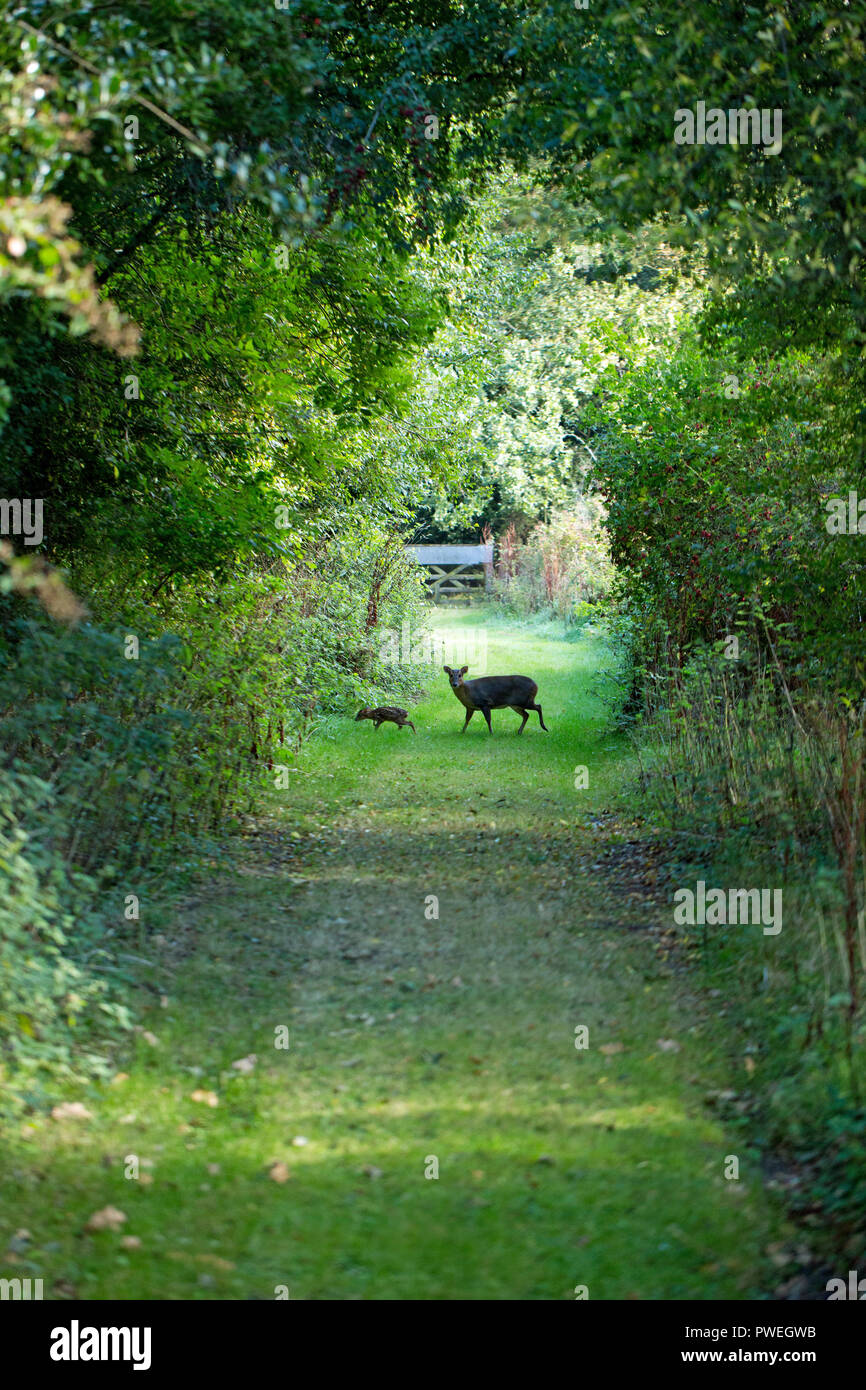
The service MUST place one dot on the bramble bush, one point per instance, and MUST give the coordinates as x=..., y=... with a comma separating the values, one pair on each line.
x=560, y=567
x=58, y=1016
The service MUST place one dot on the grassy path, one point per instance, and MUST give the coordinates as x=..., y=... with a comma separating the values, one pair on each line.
x=412, y=1039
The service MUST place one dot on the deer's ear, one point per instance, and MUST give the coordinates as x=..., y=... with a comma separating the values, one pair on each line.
x=463, y=670
x=447, y=670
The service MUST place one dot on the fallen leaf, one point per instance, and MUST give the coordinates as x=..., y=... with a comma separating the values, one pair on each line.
x=667, y=1045
x=278, y=1172
x=205, y=1098
x=109, y=1219
x=609, y=1049
x=131, y=1242
x=71, y=1110
x=215, y=1261
x=245, y=1064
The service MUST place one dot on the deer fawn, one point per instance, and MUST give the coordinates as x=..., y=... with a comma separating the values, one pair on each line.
x=495, y=692
x=386, y=713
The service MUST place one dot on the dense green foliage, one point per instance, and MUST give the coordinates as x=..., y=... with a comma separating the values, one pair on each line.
x=221, y=202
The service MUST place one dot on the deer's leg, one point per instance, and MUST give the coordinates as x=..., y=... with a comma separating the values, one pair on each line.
x=376, y=723
x=469, y=714
x=486, y=712
x=540, y=718
x=411, y=725
x=520, y=710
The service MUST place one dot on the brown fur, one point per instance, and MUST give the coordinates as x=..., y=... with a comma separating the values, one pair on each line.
x=495, y=692
x=386, y=714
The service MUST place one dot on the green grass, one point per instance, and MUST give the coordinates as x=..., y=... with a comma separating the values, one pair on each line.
x=412, y=1038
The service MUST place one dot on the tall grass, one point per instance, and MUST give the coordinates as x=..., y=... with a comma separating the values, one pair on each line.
x=758, y=779
x=561, y=566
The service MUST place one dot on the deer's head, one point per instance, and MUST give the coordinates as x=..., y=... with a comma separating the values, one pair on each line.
x=454, y=676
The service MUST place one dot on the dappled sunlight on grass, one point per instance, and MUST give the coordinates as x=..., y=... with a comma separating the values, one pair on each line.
x=411, y=1038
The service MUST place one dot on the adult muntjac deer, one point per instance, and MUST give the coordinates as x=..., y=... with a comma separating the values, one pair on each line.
x=495, y=692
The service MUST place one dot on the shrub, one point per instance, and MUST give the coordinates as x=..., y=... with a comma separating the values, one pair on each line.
x=562, y=566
